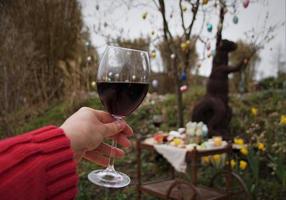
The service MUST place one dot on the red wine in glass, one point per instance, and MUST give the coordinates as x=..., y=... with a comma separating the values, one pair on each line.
x=121, y=98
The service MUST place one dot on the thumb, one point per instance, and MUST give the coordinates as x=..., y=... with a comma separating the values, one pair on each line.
x=113, y=128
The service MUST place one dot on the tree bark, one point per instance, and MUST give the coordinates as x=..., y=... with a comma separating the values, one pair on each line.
x=179, y=99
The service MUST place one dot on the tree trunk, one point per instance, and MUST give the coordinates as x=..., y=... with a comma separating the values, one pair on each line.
x=179, y=99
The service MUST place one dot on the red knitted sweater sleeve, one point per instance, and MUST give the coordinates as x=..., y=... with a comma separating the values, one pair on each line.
x=37, y=165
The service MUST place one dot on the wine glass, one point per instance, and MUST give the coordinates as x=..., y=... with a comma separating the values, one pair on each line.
x=122, y=83
x=157, y=120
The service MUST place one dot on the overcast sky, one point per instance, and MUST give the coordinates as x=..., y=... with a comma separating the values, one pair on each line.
x=117, y=15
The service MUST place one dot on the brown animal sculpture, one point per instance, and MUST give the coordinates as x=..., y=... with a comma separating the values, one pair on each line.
x=213, y=109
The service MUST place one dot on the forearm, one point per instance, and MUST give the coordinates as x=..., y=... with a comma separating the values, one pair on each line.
x=37, y=165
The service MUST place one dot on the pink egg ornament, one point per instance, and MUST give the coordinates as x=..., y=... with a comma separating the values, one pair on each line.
x=183, y=88
x=246, y=3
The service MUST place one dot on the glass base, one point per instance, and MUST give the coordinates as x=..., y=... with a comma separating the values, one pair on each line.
x=109, y=178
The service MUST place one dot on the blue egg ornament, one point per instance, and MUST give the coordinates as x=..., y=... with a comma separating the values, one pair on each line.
x=209, y=27
x=235, y=19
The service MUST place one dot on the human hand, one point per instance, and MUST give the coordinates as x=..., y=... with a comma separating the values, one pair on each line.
x=87, y=128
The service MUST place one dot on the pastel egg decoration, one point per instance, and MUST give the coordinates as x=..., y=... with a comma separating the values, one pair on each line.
x=209, y=27
x=183, y=88
x=208, y=46
x=144, y=15
x=153, y=54
x=205, y=2
x=184, y=46
x=173, y=56
x=245, y=3
x=183, y=76
x=235, y=19
x=155, y=83
x=213, y=52
x=196, y=131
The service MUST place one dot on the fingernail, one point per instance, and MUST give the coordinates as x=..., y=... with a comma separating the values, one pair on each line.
x=120, y=124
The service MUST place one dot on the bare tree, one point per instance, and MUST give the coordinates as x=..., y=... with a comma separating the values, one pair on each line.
x=41, y=56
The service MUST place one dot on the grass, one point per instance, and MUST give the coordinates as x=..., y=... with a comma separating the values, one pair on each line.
x=267, y=103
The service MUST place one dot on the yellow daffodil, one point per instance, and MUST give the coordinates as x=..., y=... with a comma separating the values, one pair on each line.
x=216, y=157
x=261, y=146
x=244, y=151
x=283, y=120
x=232, y=163
x=238, y=141
x=205, y=2
x=253, y=111
x=205, y=160
x=242, y=165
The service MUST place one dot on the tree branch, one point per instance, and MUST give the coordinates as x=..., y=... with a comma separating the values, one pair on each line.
x=220, y=24
x=195, y=8
x=165, y=23
x=182, y=18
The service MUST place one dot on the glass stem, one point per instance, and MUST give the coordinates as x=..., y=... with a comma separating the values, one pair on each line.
x=110, y=166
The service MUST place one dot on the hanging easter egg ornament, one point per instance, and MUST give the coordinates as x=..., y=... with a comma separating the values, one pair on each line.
x=173, y=56
x=183, y=76
x=246, y=3
x=205, y=2
x=93, y=84
x=213, y=52
x=184, y=46
x=87, y=44
x=144, y=15
x=235, y=19
x=184, y=8
x=89, y=58
x=183, y=88
x=188, y=42
x=155, y=83
x=153, y=54
x=209, y=27
x=208, y=46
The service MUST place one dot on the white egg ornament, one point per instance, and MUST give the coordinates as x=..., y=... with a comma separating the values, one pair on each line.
x=155, y=83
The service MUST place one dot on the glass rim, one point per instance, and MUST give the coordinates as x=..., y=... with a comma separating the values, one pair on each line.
x=124, y=48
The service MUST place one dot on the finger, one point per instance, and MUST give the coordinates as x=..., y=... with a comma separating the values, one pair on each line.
x=104, y=117
x=122, y=140
x=96, y=158
x=108, y=150
x=114, y=128
x=128, y=131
